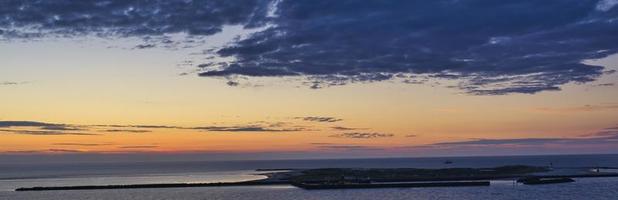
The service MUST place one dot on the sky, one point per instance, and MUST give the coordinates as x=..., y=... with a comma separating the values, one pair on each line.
x=270, y=79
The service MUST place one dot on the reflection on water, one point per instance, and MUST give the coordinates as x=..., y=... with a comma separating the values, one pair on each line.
x=203, y=177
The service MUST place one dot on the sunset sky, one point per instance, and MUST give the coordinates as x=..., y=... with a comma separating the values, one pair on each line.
x=309, y=79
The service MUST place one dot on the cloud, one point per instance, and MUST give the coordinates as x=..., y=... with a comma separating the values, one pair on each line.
x=258, y=126
x=139, y=126
x=605, y=85
x=145, y=46
x=345, y=147
x=81, y=144
x=606, y=5
x=520, y=141
x=23, y=152
x=44, y=151
x=8, y=83
x=488, y=47
x=41, y=125
x=125, y=131
x=348, y=147
x=139, y=147
x=61, y=127
x=361, y=135
x=7, y=124
x=121, y=18
x=38, y=132
x=232, y=83
x=64, y=150
x=342, y=128
x=607, y=132
x=321, y=119
x=411, y=135
x=491, y=48
x=11, y=83
x=44, y=128
x=608, y=136
x=584, y=108
x=250, y=128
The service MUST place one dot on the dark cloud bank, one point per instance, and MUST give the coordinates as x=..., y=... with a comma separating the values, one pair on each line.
x=491, y=47
x=125, y=17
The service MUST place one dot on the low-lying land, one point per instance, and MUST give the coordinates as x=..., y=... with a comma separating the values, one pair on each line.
x=413, y=174
x=330, y=178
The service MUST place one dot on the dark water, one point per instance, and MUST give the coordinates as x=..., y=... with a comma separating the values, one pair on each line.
x=18, y=171
x=585, y=189
x=28, y=175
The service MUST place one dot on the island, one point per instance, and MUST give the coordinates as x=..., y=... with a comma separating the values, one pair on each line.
x=353, y=178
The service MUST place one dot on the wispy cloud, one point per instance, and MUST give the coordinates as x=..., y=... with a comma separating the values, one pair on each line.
x=145, y=46
x=605, y=85
x=608, y=136
x=41, y=128
x=45, y=151
x=362, y=135
x=607, y=132
x=81, y=144
x=518, y=141
x=345, y=147
x=65, y=150
x=125, y=131
x=62, y=127
x=23, y=152
x=24, y=123
x=138, y=126
x=348, y=147
x=9, y=83
x=44, y=128
x=584, y=108
x=258, y=126
x=139, y=147
x=38, y=132
x=232, y=83
x=41, y=125
x=342, y=128
x=321, y=119
x=251, y=128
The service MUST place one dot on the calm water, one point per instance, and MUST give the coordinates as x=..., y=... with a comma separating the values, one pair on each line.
x=28, y=175
x=586, y=189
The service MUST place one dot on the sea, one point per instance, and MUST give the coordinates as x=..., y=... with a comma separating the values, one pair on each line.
x=15, y=175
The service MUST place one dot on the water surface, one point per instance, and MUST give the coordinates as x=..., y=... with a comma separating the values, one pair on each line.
x=28, y=175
